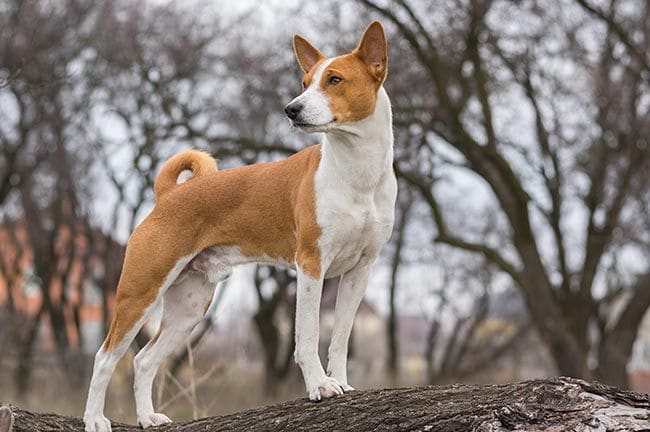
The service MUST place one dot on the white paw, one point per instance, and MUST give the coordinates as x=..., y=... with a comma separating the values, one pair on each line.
x=326, y=388
x=343, y=383
x=97, y=423
x=153, y=419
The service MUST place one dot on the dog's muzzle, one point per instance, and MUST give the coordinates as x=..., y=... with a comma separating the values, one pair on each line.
x=293, y=110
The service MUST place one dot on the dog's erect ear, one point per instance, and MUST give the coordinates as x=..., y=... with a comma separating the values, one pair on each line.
x=373, y=50
x=306, y=54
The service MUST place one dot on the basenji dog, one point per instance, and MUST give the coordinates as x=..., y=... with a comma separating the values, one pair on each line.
x=326, y=211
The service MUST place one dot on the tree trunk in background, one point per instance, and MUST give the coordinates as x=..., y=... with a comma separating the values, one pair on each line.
x=392, y=361
x=268, y=334
x=538, y=405
x=612, y=364
x=277, y=362
x=26, y=353
x=616, y=344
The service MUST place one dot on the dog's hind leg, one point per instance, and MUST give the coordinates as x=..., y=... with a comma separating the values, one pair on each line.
x=134, y=301
x=184, y=304
x=106, y=360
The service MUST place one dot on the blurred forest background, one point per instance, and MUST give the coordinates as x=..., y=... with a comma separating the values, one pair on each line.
x=522, y=240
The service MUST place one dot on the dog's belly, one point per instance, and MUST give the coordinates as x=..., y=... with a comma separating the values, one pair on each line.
x=215, y=261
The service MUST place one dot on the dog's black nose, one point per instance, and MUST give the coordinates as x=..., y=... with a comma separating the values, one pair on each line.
x=293, y=109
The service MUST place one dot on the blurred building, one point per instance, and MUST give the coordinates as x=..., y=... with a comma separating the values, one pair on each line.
x=74, y=287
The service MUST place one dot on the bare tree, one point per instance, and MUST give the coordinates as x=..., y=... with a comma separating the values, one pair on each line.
x=589, y=158
x=460, y=341
x=40, y=160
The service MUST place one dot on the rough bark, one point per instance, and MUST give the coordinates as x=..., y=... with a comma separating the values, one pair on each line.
x=540, y=405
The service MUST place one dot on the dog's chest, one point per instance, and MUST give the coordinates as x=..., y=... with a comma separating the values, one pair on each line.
x=355, y=226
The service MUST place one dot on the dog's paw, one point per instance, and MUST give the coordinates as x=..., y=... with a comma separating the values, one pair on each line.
x=326, y=388
x=343, y=383
x=97, y=423
x=153, y=419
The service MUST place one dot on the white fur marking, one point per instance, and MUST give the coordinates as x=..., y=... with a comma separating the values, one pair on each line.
x=316, y=112
x=355, y=204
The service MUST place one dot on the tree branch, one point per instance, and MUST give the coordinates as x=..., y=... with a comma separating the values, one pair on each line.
x=537, y=405
x=444, y=236
x=477, y=15
x=618, y=29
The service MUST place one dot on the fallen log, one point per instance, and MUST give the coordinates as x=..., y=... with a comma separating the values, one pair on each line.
x=555, y=404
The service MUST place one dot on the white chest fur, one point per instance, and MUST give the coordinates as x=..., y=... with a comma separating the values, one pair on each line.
x=356, y=191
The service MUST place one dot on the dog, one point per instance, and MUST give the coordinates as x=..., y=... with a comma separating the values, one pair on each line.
x=326, y=211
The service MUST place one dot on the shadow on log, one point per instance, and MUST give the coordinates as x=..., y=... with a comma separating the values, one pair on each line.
x=555, y=404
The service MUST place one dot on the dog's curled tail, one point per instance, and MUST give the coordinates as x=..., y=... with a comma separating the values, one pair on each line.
x=196, y=161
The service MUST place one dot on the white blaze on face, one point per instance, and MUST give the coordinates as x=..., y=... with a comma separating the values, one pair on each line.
x=316, y=109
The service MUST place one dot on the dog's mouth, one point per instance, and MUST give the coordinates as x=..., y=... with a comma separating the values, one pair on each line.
x=310, y=127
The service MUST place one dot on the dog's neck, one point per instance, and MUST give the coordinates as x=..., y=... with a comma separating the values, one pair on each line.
x=361, y=153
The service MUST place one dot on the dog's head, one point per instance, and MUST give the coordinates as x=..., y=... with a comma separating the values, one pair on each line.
x=341, y=89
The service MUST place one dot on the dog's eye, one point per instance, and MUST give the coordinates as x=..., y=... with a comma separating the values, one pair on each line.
x=334, y=80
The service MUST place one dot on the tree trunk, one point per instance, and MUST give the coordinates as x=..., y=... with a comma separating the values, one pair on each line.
x=612, y=364
x=617, y=342
x=26, y=354
x=277, y=363
x=270, y=341
x=392, y=361
x=538, y=405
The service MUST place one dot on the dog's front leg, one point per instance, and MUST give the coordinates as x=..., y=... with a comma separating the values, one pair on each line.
x=308, y=296
x=351, y=289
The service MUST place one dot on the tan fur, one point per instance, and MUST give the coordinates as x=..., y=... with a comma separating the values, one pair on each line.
x=200, y=163
x=362, y=72
x=265, y=209
x=353, y=98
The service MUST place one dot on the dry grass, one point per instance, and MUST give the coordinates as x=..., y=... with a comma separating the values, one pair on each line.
x=200, y=389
